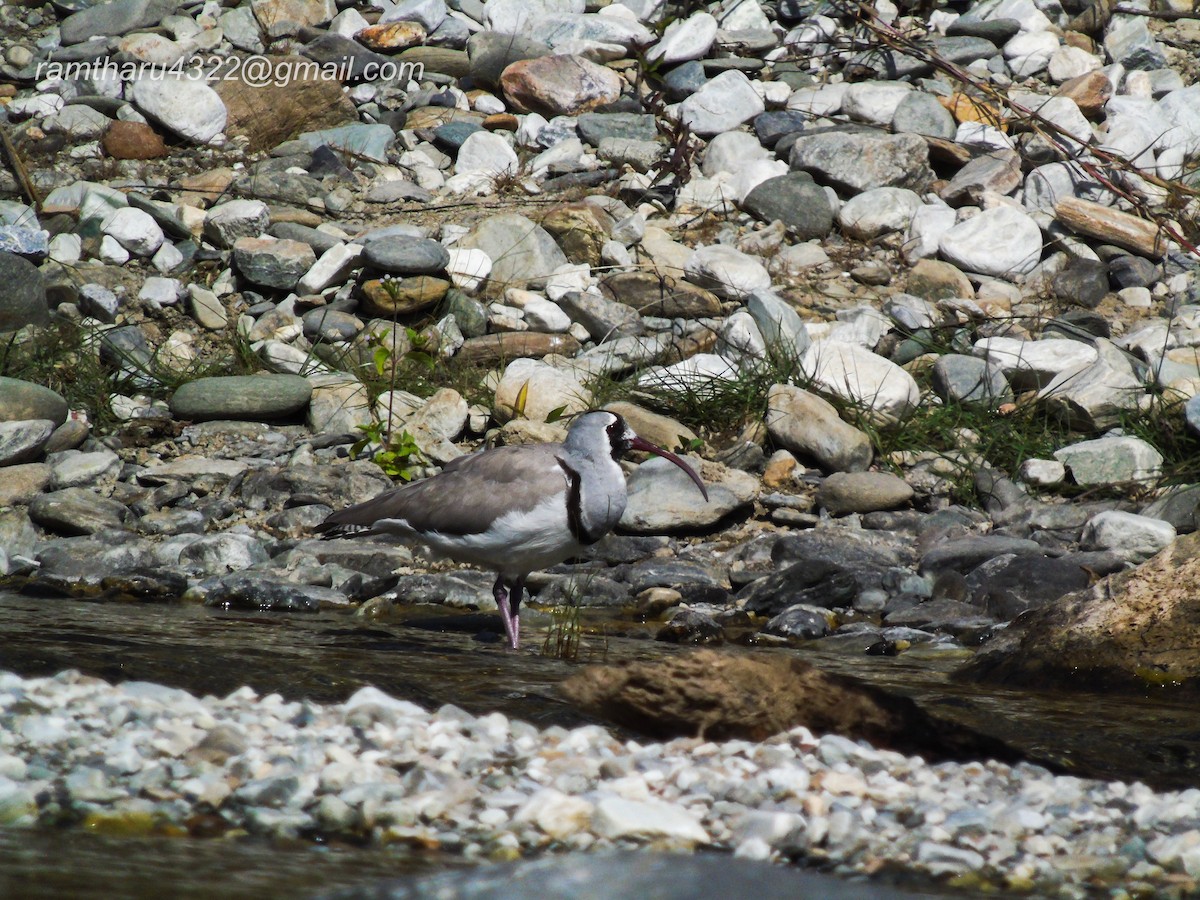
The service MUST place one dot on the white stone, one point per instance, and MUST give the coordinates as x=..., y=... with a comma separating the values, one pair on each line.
x=982, y=135
x=730, y=151
x=693, y=375
x=1036, y=362
x=158, y=292
x=1003, y=241
x=540, y=313
x=66, y=248
x=879, y=211
x=874, y=101
x=926, y=229
x=186, y=106
x=685, y=39
x=722, y=104
x=334, y=265
x=1134, y=537
x=859, y=376
x=616, y=818
x=545, y=389
x=112, y=252
x=468, y=268
x=1069, y=62
x=727, y=271
x=135, y=230
x=524, y=17
x=819, y=101
x=1042, y=472
x=739, y=339
x=486, y=153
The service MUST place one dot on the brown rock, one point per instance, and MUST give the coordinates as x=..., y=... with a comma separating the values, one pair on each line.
x=133, y=140
x=495, y=348
x=728, y=696
x=655, y=295
x=559, y=85
x=205, y=187
x=402, y=296
x=21, y=483
x=270, y=113
x=580, y=229
x=965, y=108
x=443, y=60
x=7, y=91
x=392, y=36
x=780, y=471
x=433, y=116
x=1133, y=631
x=284, y=17
x=1111, y=226
x=932, y=279
x=1090, y=92
x=1094, y=18
x=502, y=122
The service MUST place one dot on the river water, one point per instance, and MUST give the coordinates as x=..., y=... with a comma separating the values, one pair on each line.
x=435, y=657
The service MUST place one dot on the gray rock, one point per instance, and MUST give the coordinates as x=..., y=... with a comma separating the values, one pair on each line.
x=490, y=53
x=115, y=18
x=1180, y=506
x=186, y=106
x=325, y=324
x=1111, y=460
x=227, y=222
x=663, y=499
x=271, y=262
x=260, y=592
x=781, y=327
x=996, y=172
x=370, y=141
x=293, y=231
x=683, y=81
x=810, y=427
x=72, y=468
x=23, y=441
x=1094, y=397
x=800, y=622
x=24, y=294
x=794, y=199
x=258, y=398
x=604, y=319
x=23, y=400
x=1132, y=271
x=968, y=553
x=1132, y=537
x=1083, y=282
x=921, y=113
x=595, y=127
x=970, y=381
x=691, y=626
x=859, y=161
x=521, y=251
x=406, y=256
x=863, y=492
x=75, y=511
x=1008, y=585
x=819, y=582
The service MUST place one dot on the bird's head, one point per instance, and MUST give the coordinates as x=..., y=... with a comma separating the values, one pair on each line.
x=595, y=432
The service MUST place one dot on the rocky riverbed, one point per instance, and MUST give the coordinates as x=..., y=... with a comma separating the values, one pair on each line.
x=915, y=289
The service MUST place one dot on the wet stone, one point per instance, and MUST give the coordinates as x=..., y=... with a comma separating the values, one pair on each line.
x=255, y=592
x=76, y=511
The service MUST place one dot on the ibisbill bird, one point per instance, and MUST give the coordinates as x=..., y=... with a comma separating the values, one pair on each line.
x=514, y=510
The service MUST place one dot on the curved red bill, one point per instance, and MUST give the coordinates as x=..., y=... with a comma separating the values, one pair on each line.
x=646, y=447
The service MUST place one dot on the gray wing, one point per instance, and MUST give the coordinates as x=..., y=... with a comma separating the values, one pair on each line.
x=464, y=498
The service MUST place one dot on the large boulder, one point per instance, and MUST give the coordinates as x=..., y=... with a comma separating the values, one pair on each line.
x=1133, y=630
